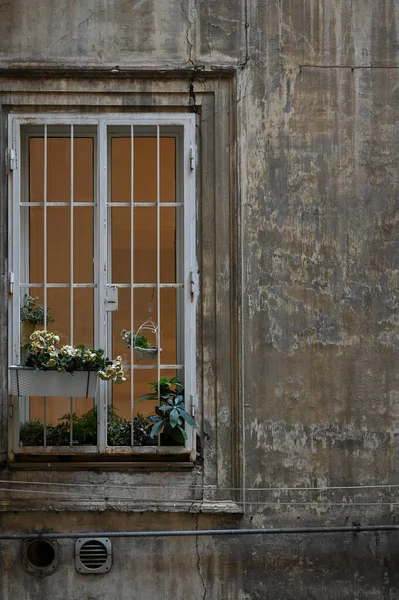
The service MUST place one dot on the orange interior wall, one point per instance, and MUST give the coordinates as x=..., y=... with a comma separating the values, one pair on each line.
x=58, y=252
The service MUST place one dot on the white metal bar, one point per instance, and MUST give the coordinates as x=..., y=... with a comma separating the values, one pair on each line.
x=102, y=272
x=94, y=285
x=142, y=119
x=45, y=267
x=190, y=265
x=148, y=285
x=15, y=266
x=140, y=204
x=158, y=268
x=71, y=258
x=58, y=285
x=15, y=237
x=44, y=422
x=71, y=422
x=55, y=204
x=45, y=227
x=151, y=367
x=71, y=240
x=131, y=282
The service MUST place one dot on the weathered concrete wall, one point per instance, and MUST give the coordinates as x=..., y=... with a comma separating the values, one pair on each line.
x=317, y=129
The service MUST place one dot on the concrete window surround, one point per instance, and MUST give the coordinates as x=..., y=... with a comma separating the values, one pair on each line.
x=215, y=484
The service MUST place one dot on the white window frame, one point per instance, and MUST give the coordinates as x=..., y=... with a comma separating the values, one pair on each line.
x=186, y=123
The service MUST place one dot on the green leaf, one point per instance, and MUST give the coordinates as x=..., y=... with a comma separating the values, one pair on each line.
x=178, y=434
x=184, y=434
x=165, y=408
x=174, y=417
x=188, y=418
x=157, y=428
x=154, y=419
x=147, y=397
x=178, y=400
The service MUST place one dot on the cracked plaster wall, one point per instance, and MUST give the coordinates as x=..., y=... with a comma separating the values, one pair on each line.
x=317, y=106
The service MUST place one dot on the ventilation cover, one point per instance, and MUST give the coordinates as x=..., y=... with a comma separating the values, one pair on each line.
x=93, y=555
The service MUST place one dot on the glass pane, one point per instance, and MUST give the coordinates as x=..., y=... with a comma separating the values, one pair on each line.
x=168, y=169
x=32, y=262
x=83, y=166
x=58, y=169
x=120, y=251
x=145, y=245
x=36, y=168
x=121, y=319
x=169, y=244
x=145, y=166
x=83, y=316
x=83, y=244
x=120, y=169
x=168, y=326
x=58, y=245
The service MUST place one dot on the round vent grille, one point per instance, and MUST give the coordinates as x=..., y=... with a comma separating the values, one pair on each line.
x=93, y=555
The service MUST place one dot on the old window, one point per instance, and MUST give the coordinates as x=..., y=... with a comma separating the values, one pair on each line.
x=102, y=215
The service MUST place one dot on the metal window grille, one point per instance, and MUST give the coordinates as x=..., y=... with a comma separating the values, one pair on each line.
x=111, y=295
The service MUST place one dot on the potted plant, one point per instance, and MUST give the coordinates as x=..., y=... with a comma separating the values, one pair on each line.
x=66, y=371
x=84, y=430
x=171, y=416
x=31, y=315
x=140, y=343
x=119, y=430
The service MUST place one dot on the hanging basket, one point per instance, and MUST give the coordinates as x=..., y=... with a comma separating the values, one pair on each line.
x=151, y=352
x=26, y=381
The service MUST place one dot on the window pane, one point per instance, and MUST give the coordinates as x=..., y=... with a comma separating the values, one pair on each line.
x=83, y=244
x=120, y=246
x=36, y=168
x=83, y=316
x=83, y=167
x=145, y=245
x=32, y=249
x=169, y=244
x=58, y=168
x=58, y=245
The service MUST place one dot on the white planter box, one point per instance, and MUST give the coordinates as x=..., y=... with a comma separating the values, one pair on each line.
x=25, y=381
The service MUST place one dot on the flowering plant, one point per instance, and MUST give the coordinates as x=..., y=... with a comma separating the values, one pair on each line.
x=31, y=312
x=44, y=355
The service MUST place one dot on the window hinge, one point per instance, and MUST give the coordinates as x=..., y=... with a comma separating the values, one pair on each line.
x=193, y=285
x=11, y=159
x=193, y=405
x=11, y=282
x=192, y=162
x=10, y=410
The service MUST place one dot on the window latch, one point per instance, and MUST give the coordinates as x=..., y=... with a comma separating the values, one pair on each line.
x=111, y=298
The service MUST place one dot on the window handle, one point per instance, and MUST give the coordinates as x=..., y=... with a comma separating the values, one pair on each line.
x=111, y=298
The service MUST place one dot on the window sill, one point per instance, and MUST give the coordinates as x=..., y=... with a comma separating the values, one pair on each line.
x=45, y=465
x=91, y=453
x=194, y=507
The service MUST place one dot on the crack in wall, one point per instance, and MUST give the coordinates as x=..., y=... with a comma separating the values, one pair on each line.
x=199, y=560
x=246, y=36
x=190, y=24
